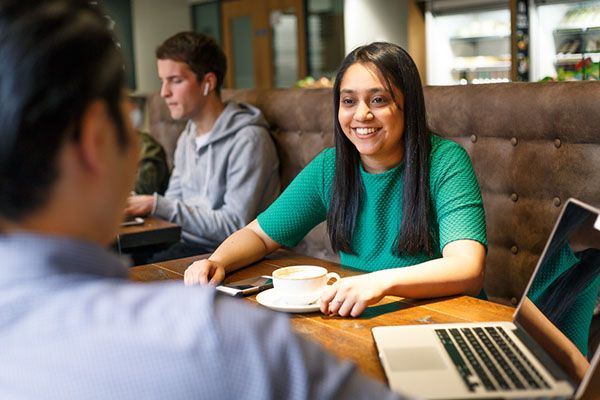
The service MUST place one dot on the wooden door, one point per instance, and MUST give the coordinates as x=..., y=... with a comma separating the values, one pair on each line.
x=248, y=40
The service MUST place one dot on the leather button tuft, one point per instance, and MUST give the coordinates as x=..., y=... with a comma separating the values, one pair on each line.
x=514, y=141
x=513, y=301
x=473, y=138
x=514, y=197
x=557, y=143
x=514, y=249
x=556, y=201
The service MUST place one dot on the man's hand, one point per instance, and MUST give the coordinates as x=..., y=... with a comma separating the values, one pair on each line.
x=139, y=205
x=201, y=271
x=350, y=296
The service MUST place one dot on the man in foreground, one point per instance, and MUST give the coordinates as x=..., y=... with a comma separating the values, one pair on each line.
x=71, y=325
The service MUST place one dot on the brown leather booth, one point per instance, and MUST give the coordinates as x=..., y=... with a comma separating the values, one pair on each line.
x=533, y=145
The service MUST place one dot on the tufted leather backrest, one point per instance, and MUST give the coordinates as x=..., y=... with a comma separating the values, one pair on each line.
x=533, y=145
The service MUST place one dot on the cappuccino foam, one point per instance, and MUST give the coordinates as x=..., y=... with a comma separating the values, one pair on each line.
x=299, y=273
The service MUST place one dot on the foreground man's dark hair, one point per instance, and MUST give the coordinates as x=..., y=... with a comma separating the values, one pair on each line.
x=56, y=57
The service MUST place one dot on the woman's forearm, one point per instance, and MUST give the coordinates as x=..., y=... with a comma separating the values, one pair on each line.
x=442, y=277
x=240, y=249
x=460, y=271
x=244, y=247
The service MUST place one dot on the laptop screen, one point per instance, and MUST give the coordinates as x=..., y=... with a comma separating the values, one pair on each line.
x=558, y=308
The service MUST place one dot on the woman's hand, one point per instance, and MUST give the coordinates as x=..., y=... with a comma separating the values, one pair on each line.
x=204, y=271
x=350, y=296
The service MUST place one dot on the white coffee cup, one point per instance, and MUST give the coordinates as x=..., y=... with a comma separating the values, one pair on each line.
x=301, y=284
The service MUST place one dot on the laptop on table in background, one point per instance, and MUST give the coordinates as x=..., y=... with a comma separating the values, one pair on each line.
x=545, y=352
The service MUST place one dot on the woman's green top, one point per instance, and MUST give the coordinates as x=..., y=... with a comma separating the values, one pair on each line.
x=574, y=323
x=455, y=194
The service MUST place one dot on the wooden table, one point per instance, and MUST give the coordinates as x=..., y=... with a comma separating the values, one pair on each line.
x=348, y=338
x=154, y=231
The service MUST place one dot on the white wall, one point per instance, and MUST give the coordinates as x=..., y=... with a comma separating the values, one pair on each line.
x=367, y=21
x=542, y=51
x=153, y=22
x=439, y=52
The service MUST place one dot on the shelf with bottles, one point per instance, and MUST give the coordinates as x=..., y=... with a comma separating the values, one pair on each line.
x=487, y=37
x=481, y=75
x=480, y=46
x=481, y=50
x=577, y=40
x=481, y=69
x=498, y=63
x=574, y=58
x=475, y=39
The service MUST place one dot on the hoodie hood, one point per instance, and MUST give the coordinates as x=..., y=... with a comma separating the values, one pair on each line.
x=234, y=117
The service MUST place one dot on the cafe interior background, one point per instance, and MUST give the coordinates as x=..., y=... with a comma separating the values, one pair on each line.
x=300, y=43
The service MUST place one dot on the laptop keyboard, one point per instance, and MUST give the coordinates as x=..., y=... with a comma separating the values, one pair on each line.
x=489, y=357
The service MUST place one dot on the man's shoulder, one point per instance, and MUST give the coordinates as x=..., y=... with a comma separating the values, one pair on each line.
x=149, y=312
x=191, y=311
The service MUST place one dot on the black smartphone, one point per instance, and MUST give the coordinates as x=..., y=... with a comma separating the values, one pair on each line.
x=246, y=286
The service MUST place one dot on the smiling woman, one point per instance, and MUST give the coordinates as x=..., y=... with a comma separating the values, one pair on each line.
x=399, y=202
x=371, y=119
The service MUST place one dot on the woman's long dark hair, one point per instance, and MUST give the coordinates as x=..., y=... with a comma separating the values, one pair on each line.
x=558, y=298
x=399, y=71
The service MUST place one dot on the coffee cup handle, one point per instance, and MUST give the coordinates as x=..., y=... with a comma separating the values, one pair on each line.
x=333, y=275
x=329, y=276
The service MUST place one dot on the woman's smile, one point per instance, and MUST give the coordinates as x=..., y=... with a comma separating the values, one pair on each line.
x=365, y=132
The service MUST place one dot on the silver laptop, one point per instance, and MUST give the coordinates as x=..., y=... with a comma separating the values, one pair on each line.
x=539, y=354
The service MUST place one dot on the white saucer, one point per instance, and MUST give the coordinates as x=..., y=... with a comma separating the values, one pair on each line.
x=269, y=298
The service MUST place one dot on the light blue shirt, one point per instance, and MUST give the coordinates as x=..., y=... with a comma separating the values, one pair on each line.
x=73, y=327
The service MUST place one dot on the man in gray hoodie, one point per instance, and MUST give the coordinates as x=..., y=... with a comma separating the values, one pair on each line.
x=226, y=165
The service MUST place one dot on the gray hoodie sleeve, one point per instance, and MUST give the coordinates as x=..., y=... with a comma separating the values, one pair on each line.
x=252, y=183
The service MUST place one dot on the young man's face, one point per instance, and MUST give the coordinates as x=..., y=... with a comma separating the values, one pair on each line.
x=180, y=89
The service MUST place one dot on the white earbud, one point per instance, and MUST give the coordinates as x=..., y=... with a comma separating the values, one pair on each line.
x=206, y=89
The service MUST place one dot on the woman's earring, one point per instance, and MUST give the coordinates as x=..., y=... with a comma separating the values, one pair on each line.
x=206, y=89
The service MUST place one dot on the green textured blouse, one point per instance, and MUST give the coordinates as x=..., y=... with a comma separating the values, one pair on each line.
x=455, y=195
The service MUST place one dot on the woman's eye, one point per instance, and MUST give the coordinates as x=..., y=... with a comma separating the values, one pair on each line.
x=378, y=100
x=347, y=102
